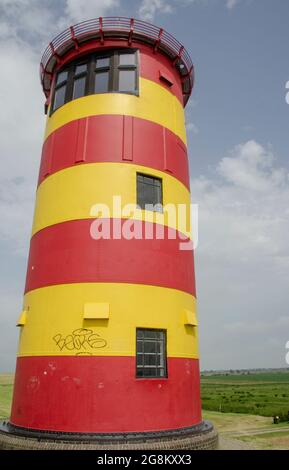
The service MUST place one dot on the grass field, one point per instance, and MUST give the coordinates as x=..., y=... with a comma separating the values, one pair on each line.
x=264, y=394
x=6, y=386
x=239, y=431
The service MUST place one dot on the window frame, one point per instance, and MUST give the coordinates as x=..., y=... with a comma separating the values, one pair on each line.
x=58, y=86
x=113, y=70
x=163, y=367
x=161, y=191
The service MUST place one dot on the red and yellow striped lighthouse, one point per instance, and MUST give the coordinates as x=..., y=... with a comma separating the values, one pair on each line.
x=108, y=345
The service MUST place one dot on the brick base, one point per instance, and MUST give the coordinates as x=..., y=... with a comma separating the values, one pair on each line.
x=196, y=441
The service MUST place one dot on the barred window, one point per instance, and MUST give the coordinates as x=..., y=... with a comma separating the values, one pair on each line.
x=149, y=192
x=151, y=360
x=116, y=71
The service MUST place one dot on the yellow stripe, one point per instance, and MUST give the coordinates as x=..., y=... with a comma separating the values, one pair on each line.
x=55, y=312
x=155, y=103
x=70, y=194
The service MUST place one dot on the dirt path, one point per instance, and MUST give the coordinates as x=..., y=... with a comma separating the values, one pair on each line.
x=254, y=432
x=233, y=444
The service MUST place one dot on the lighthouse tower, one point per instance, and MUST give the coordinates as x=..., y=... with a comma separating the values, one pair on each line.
x=108, y=352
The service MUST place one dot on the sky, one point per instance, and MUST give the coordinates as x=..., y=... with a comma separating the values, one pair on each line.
x=237, y=124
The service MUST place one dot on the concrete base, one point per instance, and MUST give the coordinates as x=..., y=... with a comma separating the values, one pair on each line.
x=201, y=437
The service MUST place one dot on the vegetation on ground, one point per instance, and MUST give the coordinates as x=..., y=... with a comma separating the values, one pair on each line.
x=263, y=394
x=6, y=386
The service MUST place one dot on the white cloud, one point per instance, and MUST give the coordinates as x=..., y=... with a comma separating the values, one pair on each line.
x=22, y=124
x=191, y=127
x=246, y=207
x=78, y=10
x=27, y=19
x=230, y=4
x=149, y=8
x=242, y=259
x=251, y=167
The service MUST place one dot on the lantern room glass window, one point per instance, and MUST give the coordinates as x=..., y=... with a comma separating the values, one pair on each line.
x=151, y=355
x=116, y=71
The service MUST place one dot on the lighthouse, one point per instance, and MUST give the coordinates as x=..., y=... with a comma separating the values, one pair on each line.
x=108, y=351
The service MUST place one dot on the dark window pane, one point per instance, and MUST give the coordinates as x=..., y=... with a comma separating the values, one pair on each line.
x=59, y=97
x=152, y=334
x=146, y=195
x=158, y=194
x=61, y=77
x=148, y=180
x=126, y=80
x=127, y=59
x=149, y=362
x=79, y=87
x=101, y=82
x=140, y=360
x=149, y=347
x=80, y=69
x=102, y=62
x=149, y=191
x=149, y=372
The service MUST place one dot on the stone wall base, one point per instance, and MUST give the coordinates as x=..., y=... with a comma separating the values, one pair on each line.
x=207, y=440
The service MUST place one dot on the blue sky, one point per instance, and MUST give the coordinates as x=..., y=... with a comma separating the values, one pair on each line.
x=237, y=123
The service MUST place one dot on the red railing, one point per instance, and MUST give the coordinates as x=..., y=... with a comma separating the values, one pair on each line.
x=129, y=28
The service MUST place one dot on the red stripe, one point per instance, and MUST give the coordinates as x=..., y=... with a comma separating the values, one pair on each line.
x=101, y=394
x=66, y=253
x=117, y=139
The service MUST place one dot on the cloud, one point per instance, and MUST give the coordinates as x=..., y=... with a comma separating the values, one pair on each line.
x=22, y=124
x=242, y=259
x=78, y=10
x=27, y=19
x=251, y=167
x=191, y=127
x=230, y=4
x=149, y=8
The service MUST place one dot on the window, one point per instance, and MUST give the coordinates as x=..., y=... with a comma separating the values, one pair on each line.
x=149, y=192
x=115, y=71
x=126, y=76
x=79, y=79
x=60, y=89
x=151, y=356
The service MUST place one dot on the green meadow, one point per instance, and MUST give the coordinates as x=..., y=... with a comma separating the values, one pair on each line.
x=263, y=394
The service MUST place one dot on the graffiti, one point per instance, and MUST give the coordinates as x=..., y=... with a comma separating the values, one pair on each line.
x=81, y=340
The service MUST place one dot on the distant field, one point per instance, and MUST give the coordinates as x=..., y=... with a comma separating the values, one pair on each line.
x=6, y=386
x=264, y=394
x=282, y=377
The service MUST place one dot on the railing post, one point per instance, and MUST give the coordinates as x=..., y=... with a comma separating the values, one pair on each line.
x=54, y=53
x=74, y=39
x=179, y=56
x=131, y=31
x=158, y=40
x=101, y=31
